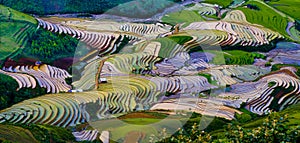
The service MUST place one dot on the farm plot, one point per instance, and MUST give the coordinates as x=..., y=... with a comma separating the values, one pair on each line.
x=266, y=94
x=232, y=74
x=238, y=33
x=207, y=107
x=185, y=16
x=108, y=38
x=14, y=35
x=104, y=42
x=49, y=77
x=119, y=95
x=86, y=135
x=265, y=16
x=204, y=9
x=287, y=6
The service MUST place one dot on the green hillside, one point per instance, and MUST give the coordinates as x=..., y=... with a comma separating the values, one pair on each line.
x=15, y=27
x=265, y=16
x=289, y=7
x=44, y=7
x=34, y=133
x=20, y=38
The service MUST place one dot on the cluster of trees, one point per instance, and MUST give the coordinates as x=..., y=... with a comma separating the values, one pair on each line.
x=48, y=47
x=9, y=94
x=273, y=130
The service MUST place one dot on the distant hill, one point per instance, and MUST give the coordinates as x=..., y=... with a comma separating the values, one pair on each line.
x=46, y=7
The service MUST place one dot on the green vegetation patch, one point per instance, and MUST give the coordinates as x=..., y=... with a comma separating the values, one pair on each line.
x=44, y=7
x=289, y=7
x=235, y=57
x=8, y=44
x=295, y=34
x=10, y=133
x=209, y=78
x=181, y=39
x=168, y=44
x=34, y=133
x=48, y=47
x=8, y=14
x=265, y=16
x=184, y=16
x=223, y=3
x=15, y=27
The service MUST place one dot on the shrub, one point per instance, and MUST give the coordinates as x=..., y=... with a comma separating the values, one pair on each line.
x=187, y=136
x=273, y=130
x=243, y=118
x=268, y=64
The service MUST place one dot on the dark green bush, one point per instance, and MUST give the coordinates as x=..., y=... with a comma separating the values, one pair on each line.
x=9, y=94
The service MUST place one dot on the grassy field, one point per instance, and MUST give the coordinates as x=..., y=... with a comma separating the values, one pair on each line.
x=143, y=118
x=223, y=3
x=289, y=7
x=266, y=17
x=182, y=17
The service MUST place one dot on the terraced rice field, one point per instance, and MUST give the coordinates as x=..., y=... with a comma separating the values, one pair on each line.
x=182, y=16
x=14, y=35
x=266, y=17
x=261, y=96
x=51, y=78
x=128, y=79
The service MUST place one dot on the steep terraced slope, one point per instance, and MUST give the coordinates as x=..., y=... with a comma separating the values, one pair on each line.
x=119, y=95
x=272, y=92
x=49, y=77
